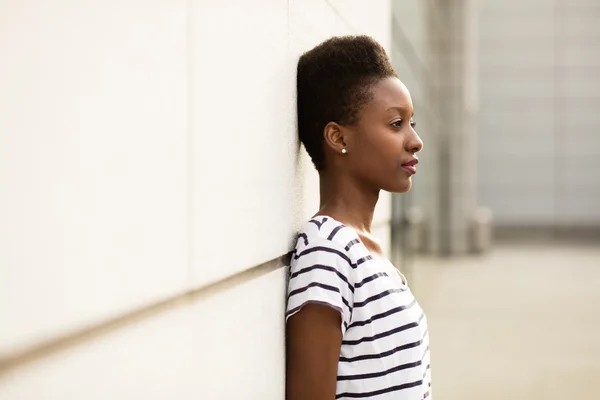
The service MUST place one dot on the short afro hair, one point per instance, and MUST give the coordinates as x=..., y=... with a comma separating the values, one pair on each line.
x=334, y=82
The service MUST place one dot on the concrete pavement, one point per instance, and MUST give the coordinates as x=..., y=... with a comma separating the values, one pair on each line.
x=522, y=322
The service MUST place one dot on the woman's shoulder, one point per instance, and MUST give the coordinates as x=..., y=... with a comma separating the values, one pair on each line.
x=326, y=231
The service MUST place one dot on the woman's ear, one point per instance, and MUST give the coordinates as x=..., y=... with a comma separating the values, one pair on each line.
x=334, y=137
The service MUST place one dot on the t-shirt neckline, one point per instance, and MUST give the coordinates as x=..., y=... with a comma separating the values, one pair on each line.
x=403, y=281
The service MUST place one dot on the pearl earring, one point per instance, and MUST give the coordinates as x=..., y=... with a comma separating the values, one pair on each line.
x=344, y=151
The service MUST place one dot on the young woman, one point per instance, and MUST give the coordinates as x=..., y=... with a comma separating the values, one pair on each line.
x=354, y=329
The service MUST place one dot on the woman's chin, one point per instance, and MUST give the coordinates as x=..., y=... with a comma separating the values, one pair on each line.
x=400, y=187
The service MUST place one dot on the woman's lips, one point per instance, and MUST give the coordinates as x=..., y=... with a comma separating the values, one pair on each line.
x=410, y=166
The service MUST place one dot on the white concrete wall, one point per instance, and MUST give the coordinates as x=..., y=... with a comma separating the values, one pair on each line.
x=147, y=150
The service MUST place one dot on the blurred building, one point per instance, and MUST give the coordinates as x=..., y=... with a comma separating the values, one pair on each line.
x=538, y=142
x=435, y=52
x=506, y=97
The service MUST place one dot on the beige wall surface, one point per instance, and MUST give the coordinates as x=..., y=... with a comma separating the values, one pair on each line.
x=147, y=152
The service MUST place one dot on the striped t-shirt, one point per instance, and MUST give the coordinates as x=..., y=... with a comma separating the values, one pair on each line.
x=385, y=345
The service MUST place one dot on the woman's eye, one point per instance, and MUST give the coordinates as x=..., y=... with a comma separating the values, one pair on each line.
x=398, y=124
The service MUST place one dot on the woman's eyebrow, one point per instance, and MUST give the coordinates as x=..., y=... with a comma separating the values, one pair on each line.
x=401, y=109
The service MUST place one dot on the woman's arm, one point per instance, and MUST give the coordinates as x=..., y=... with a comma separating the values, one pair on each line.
x=314, y=339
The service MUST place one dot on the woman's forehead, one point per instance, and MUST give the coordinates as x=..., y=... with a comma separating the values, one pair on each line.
x=391, y=95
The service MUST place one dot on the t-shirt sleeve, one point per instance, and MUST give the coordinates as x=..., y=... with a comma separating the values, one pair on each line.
x=321, y=272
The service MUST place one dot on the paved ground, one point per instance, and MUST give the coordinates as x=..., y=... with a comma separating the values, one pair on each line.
x=522, y=322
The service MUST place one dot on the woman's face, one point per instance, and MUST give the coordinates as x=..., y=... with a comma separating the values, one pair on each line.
x=382, y=145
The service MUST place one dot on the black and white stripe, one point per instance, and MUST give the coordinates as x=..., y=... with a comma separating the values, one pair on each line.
x=385, y=345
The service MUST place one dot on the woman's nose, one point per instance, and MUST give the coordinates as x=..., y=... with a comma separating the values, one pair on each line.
x=414, y=144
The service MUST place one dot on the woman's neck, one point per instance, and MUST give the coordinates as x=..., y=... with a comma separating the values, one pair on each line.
x=347, y=201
